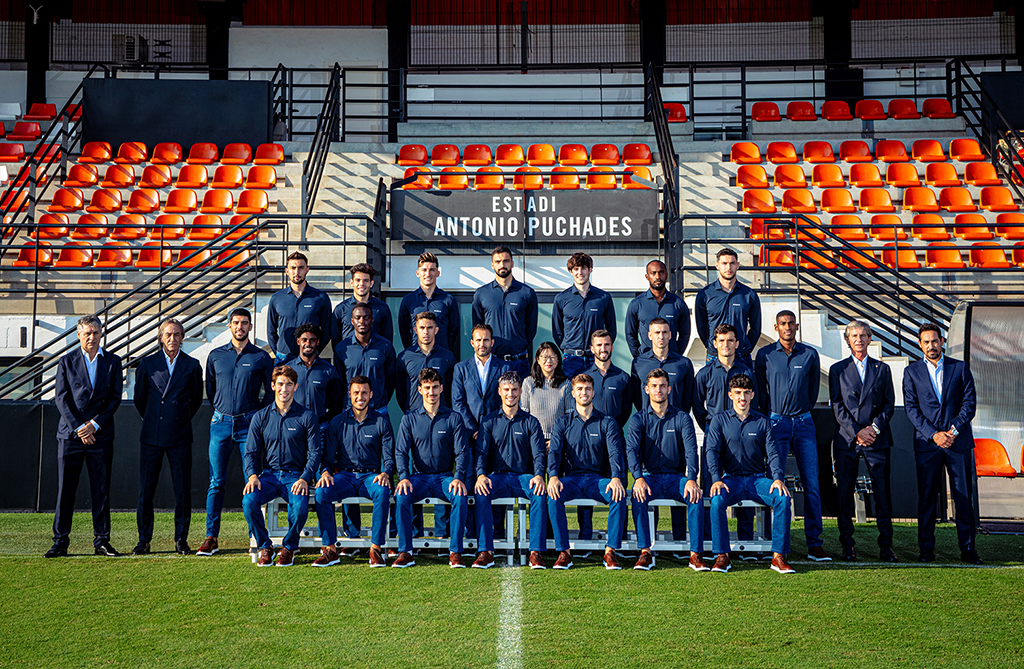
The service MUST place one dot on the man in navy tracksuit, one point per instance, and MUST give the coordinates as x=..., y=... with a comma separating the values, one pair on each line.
x=293, y=305
x=510, y=308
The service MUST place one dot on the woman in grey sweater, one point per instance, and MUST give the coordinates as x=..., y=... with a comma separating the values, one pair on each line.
x=546, y=394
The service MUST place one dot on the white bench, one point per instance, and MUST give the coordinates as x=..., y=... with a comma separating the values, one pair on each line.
x=762, y=541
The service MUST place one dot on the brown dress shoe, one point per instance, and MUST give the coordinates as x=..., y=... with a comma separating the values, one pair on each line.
x=536, y=561
x=209, y=547
x=455, y=561
x=697, y=563
x=610, y=562
x=376, y=559
x=645, y=562
x=818, y=554
x=328, y=557
x=780, y=565
x=564, y=560
x=285, y=558
x=484, y=560
x=722, y=564
x=266, y=557
x=403, y=560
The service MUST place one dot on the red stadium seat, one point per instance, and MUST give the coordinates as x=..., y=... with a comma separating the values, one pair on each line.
x=129, y=226
x=604, y=154
x=745, y=153
x=81, y=176
x=637, y=154
x=837, y=201
x=903, y=109
x=510, y=155
x=927, y=151
x=39, y=255
x=118, y=176
x=675, y=112
x=789, y=176
x=859, y=257
x=801, y=110
x=956, y=199
x=827, y=176
x=269, y=154
x=920, y=199
x=169, y=227
x=876, y=200
x=981, y=174
x=870, y=110
x=598, y=179
x=997, y=198
x=865, y=175
x=67, y=200
x=40, y=111
x=216, y=201
x=836, y=110
x=765, y=111
x=51, y=226
x=236, y=154
x=565, y=178
x=891, y=151
x=131, y=153
x=855, y=151
x=25, y=131
x=847, y=227
x=941, y=175
x=943, y=255
x=887, y=227
x=183, y=201
x=485, y=180
x=797, y=201
x=453, y=178
x=573, y=154
x=818, y=152
x=937, y=108
x=541, y=155
x=923, y=228
x=639, y=171
x=114, y=255
x=527, y=178
x=901, y=257
x=965, y=226
x=252, y=202
x=153, y=255
x=902, y=175
x=96, y=152
x=424, y=180
x=12, y=202
x=155, y=176
x=781, y=153
x=988, y=255
x=758, y=202
x=965, y=150
x=230, y=176
x=192, y=176
x=990, y=459
x=90, y=226
x=74, y=110
x=752, y=176
x=260, y=176
x=477, y=154
x=203, y=153
x=167, y=153
x=444, y=155
x=1010, y=226
x=143, y=201
x=412, y=154
x=205, y=227
x=12, y=153
x=191, y=254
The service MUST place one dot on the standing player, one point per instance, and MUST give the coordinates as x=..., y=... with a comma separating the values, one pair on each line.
x=293, y=305
x=428, y=297
x=510, y=308
x=363, y=276
x=657, y=302
x=579, y=311
x=726, y=300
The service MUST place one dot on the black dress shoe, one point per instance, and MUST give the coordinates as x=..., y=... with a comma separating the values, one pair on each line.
x=181, y=547
x=849, y=554
x=888, y=555
x=56, y=550
x=971, y=557
x=141, y=549
x=106, y=550
x=927, y=557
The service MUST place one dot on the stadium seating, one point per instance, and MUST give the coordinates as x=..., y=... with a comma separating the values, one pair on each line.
x=168, y=227
x=971, y=227
x=215, y=201
x=230, y=176
x=675, y=112
x=25, y=131
x=765, y=111
x=981, y=174
x=937, y=108
x=800, y=111
x=641, y=172
x=259, y=176
x=922, y=228
x=637, y=154
x=67, y=200
x=131, y=153
x=190, y=255
x=252, y=202
x=541, y=155
x=236, y=154
x=90, y=226
x=901, y=257
x=565, y=178
x=997, y=198
x=182, y=201
x=143, y=201
x=870, y=110
x=1010, y=226
x=798, y=201
x=605, y=154
x=38, y=255
x=855, y=151
x=412, y=154
x=781, y=153
x=818, y=152
x=751, y=176
x=886, y=227
x=424, y=180
x=598, y=178
x=836, y=110
x=117, y=176
x=789, y=176
x=41, y=111
x=920, y=199
x=202, y=153
x=12, y=153
x=269, y=154
x=51, y=226
x=510, y=155
x=812, y=259
x=444, y=155
x=485, y=180
x=848, y=228
x=940, y=175
x=891, y=151
x=573, y=154
x=128, y=227
x=155, y=176
x=988, y=255
x=768, y=229
x=927, y=151
x=903, y=109
x=876, y=200
x=81, y=176
x=776, y=257
x=956, y=199
x=758, y=202
x=837, y=201
x=865, y=175
x=233, y=256
x=902, y=175
x=453, y=178
x=74, y=110
x=855, y=258
x=991, y=459
x=745, y=153
x=943, y=255
x=1018, y=259
x=205, y=227
x=153, y=255
x=192, y=176
x=965, y=150
x=12, y=202
x=527, y=178
x=807, y=232
x=74, y=255
x=827, y=176
x=114, y=255
x=167, y=153
x=477, y=154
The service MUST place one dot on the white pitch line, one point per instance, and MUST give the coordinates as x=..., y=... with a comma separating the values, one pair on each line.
x=510, y=633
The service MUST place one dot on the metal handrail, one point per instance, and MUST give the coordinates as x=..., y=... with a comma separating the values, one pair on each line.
x=326, y=132
x=669, y=160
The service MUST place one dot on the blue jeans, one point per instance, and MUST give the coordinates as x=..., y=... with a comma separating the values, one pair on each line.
x=510, y=485
x=796, y=434
x=574, y=364
x=756, y=489
x=669, y=486
x=227, y=434
x=586, y=486
x=430, y=485
x=350, y=484
x=274, y=484
x=281, y=358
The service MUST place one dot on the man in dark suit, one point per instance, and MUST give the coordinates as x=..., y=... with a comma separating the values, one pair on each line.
x=938, y=393
x=87, y=393
x=863, y=401
x=168, y=393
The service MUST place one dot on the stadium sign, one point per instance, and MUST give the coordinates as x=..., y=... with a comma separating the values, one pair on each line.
x=516, y=216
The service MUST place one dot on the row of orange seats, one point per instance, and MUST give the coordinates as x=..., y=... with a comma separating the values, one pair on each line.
x=867, y=175
x=171, y=153
x=890, y=227
x=840, y=200
x=147, y=201
x=991, y=459
x=537, y=155
x=865, y=110
x=159, y=176
x=938, y=255
x=116, y=255
x=134, y=226
x=526, y=178
x=857, y=151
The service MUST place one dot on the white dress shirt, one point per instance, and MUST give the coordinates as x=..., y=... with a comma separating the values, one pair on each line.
x=90, y=369
x=862, y=366
x=935, y=374
x=482, y=369
x=170, y=363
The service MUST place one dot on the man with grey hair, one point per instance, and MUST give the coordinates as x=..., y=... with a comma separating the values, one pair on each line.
x=87, y=393
x=863, y=400
x=168, y=394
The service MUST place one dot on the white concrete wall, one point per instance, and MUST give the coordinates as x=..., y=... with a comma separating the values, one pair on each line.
x=12, y=86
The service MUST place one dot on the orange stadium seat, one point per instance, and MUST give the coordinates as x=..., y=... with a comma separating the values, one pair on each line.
x=675, y=112
x=510, y=155
x=74, y=255
x=797, y=201
x=236, y=154
x=244, y=231
x=891, y=151
x=167, y=153
x=943, y=255
x=765, y=111
x=865, y=175
x=444, y=155
x=870, y=110
x=855, y=258
x=937, y=108
x=205, y=227
x=805, y=231
x=876, y=200
x=837, y=201
x=192, y=256
x=90, y=226
x=182, y=201
x=192, y=176
x=233, y=256
x=573, y=154
x=745, y=153
x=789, y=176
x=203, y=153
x=956, y=199
x=259, y=176
x=424, y=180
x=118, y=176
x=901, y=257
x=269, y=154
x=12, y=202
x=637, y=154
x=25, y=131
x=902, y=175
x=477, y=154
x=81, y=176
x=903, y=108
x=827, y=176
x=991, y=459
x=230, y=176
x=155, y=176
x=887, y=227
x=847, y=227
x=216, y=201
x=761, y=228
x=818, y=152
x=776, y=258
x=801, y=110
x=132, y=153
x=988, y=255
x=39, y=255
x=966, y=227
x=813, y=259
x=129, y=226
x=565, y=178
x=920, y=199
x=67, y=199
x=1018, y=259
x=51, y=226
x=836, y=110
x=252, y=202
x=981, y=174
x=12, y=153
x=1010, y=226
x=924, y=231
x=605, y=154
x=599, y=179
x=527, y=178
x=412, y=154
x=153, y=255
x=781, y=153
x=484, y=180
x=96, y=152
x=639, y=171
x=855, y=151
x=453, y=178
x=997, y=198
x=143, y=201
x=758, y=202
x=541, y=155
x=927, y=151
x=941, y=175
x=41, y=111
x=965, y=150
x=114, y=255
x=168, y=227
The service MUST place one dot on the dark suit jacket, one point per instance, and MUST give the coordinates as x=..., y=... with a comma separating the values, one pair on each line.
x=928, y=415
x=467, y=399
x=78, y=402
x=166, y=403
x=857, y=405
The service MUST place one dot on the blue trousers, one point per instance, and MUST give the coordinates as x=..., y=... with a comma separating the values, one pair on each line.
x=430, y=485
x=349, y=484
x=227, y=434
x=586, y=486
x=669, y=486
x=960, y=467
x=510, y=485
x=755, y=489
x=274, y=484
x=574, y=364
x=796, y=434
